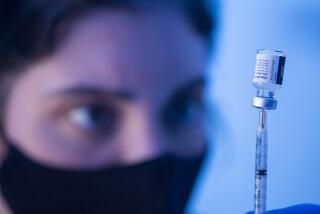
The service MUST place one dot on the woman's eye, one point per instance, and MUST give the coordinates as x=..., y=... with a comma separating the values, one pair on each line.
x=92, y=118
x=183, y=110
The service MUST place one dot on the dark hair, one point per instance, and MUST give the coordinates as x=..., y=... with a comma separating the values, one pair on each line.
x=28, y=28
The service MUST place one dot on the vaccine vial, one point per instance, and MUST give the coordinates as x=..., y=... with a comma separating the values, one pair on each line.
x=268, y=77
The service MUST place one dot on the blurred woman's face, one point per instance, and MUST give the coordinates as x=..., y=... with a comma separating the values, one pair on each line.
x=122, y=88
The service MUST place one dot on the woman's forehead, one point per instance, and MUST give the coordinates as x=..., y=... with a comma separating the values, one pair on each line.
x=123, y=50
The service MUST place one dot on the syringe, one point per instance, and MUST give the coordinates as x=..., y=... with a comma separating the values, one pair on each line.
x=268, y=76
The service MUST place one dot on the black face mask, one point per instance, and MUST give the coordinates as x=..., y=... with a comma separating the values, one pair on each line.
x=159, y=186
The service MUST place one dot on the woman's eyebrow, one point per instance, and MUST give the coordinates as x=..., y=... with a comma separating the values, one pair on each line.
x=199, y=81
x=94, y=91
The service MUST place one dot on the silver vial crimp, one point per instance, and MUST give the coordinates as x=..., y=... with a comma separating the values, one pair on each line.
x=268, y=103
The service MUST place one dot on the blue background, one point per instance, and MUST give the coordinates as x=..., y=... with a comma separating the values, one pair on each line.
x=227, y=181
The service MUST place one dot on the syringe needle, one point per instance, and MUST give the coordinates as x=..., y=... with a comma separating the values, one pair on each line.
x=262, y=120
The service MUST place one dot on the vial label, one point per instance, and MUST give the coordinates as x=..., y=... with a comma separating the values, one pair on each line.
x=269, y=69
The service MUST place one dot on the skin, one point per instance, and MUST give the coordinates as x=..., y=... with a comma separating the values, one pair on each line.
x=122, y=88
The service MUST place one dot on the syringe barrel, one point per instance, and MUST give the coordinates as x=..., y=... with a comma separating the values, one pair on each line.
x=261, y=167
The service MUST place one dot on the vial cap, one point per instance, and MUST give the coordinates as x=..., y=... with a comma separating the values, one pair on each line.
x=265, y=103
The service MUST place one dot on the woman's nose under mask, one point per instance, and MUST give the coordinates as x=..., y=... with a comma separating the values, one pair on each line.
x=159, y=186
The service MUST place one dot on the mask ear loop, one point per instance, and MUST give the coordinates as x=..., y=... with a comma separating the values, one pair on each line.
x=3, y=136
x=4, y=143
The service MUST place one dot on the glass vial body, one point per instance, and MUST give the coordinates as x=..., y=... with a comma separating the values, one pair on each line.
x=268, y=77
